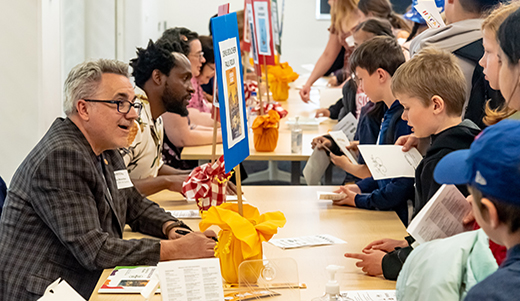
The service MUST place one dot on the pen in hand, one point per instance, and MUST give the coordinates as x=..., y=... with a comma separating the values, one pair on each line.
x=185, y=232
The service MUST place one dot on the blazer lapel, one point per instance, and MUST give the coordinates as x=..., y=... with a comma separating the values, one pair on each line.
x=113, y=193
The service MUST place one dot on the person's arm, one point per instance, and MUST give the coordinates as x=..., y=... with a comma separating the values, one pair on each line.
x=388, y=197
x=179, y=133
x=322, y=65
x=393, y=262
x=359, y=170
x=153, y=185
x=201, y=118
x=334, y=109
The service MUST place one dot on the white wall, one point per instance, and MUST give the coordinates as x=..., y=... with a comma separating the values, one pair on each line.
x=43, y=39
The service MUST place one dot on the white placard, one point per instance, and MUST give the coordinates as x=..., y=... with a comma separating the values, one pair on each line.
x=123, y=179
x=184, y=213
x=232, y=91
x=389, y=161
x=441, y=217
x=430, y=13
x=250, y=21
x=197, y=279
x=370, y=295
x=263, y=28
x=306, y=241
x=342, y=141
x=60, y=291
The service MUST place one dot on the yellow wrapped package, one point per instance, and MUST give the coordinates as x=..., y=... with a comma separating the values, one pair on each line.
x=265, y=131
x=279, y=78
x=240, y=238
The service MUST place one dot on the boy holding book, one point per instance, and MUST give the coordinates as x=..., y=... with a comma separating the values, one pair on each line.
x=374, y=62
x=491, y=169
x=431, y=88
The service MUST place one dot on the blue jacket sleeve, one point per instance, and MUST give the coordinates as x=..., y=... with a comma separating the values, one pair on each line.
x=397, y=192
x=367, y=185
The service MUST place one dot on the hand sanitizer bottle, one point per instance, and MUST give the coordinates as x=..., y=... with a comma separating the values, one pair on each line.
x=332, y=286
x=296, y=138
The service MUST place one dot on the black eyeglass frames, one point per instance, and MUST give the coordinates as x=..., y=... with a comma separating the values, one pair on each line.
x=123, y=106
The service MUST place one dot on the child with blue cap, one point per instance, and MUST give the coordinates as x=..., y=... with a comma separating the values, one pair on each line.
x=491, y=168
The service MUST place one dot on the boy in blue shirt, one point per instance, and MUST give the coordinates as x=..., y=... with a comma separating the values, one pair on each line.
x=373, y=63
x=491, y=168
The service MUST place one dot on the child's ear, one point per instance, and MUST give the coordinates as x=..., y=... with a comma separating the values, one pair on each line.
x=438, y=104
x=489, y=213
x=383, y=75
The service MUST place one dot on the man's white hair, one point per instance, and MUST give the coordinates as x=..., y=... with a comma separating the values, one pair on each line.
x=84, y=79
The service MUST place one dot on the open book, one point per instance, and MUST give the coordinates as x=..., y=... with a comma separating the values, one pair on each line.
x=441, y=217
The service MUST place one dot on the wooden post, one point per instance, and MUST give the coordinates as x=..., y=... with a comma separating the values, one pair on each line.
x=266, y=81
x=215, y=123
x=239, y=190
x=259, y=94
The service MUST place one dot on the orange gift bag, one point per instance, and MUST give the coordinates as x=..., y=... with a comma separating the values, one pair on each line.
x=265, y=131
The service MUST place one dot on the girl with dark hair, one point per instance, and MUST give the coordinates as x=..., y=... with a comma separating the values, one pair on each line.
x=383, y=9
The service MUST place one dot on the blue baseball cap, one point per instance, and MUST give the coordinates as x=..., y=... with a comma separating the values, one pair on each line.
x=414, y=16
x=492, y=164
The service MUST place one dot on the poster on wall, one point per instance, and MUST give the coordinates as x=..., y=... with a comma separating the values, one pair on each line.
x=228, y=66
x=263, y=31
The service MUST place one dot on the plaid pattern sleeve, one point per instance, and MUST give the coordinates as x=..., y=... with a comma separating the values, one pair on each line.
x=60, y=220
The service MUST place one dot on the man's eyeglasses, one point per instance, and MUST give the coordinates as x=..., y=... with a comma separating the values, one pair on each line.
x=123, y=106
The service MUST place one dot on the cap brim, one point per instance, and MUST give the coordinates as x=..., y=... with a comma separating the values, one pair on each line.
x=453, y=168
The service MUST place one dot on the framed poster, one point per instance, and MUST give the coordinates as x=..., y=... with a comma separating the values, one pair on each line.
x=264, y=31
x=228, y=66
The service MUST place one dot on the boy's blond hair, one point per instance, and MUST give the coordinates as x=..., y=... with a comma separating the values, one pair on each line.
x=432, y=72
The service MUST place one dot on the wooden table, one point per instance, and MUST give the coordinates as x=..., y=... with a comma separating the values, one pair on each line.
x=305, y=216
x=296, y=107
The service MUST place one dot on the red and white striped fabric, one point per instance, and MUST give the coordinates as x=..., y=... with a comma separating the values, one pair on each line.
x=249, y=87
x=277, y=107
x=207, y=184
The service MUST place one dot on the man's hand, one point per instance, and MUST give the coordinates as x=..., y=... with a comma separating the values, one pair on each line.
x=322, y=113
x=305, y=93
x=386, y=245
x=320, y=142
x=341, y=161
x=351, y=191
x=370, y=261
x=174, y=182
x=190, y=246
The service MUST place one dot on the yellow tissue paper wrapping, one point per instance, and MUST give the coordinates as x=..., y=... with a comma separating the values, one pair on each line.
x=279, y=78
x=240, y=238
x=265, y=131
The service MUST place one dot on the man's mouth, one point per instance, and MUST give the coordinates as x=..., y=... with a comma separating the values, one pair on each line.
x=124, y=127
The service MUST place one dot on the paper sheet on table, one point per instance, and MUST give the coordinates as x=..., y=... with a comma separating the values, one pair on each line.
x=196, y=279
x=316, y=167
x=184, y=213
x=429, y=11
x=342, y=141
x=60, y=291
x=370, y=295
x=347, y=125
x=441, y=217
x=127, y=280
x=327, y=195
x=389, y=161
x=329, y=96
x=306, y=241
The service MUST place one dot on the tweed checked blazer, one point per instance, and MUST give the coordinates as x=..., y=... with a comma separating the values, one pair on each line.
x=62, y=219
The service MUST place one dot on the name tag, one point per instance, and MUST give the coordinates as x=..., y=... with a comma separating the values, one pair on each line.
x=123, y=179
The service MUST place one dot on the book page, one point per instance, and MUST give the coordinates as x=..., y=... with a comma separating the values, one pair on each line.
x=347, y=125
x=442, y=216
x=389, y=161
x=184, y=213
x=342, y=141
x=306, y=241
x=197, y=279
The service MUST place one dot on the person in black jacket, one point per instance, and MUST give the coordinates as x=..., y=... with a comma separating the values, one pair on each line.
x=431, y=87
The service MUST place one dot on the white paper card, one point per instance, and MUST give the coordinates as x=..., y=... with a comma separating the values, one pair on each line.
x=198, y=279
x=347, y=125
x=370, y=295
x=60, y=291
x=389, y=161
x=327, y=195
x=184, y=213
x=316, y=167
x=342, y=141
x=127, y=279
x=430, y=13
x=306, y=241
x=123, y=179
x=441, y=217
